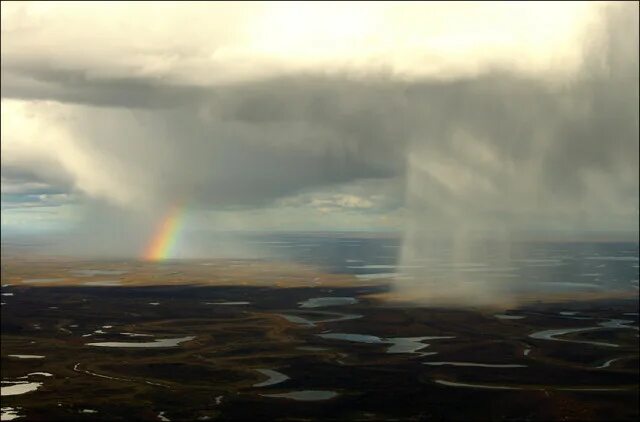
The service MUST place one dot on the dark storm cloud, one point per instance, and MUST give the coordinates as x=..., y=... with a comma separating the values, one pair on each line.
x=42, y=81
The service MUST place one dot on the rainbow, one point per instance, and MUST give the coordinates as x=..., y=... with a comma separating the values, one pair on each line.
x=165, y=236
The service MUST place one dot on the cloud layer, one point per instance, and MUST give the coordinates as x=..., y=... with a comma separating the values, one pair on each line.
x=524, y=128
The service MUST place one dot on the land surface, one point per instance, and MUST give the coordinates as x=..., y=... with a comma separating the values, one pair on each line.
x=238, y=319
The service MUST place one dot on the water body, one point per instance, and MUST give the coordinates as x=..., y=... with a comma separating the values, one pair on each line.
x=312, y=348
x=9, y=413
x=608, y=363
x=136, y=335
x=332, y=317
x=592, y=389
x=503, y=316
x=410, y=344
x=21, y=388
x=106, y=283
x=274, y=377
x=358, y=338
x=618, y=323
x=227, y=303
x=27, y=356
x=297, y=320
x=91, y=273
x=167, y=342
x=43, y=280
x=480, y=386
x=398, y=344
x=76, y=368
x=611, y=324
x=553, y=334
x=539, y=267
x=483, y=365
x=43, y=374
x=320, y=302
x=376, y=276
x=305, y=395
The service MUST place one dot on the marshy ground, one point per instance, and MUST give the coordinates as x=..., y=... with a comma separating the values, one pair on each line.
x=256, y=340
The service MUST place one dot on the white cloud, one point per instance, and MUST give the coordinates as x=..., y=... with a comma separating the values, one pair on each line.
x=216, y=42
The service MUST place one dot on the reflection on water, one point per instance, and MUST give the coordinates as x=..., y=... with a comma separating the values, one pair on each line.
x=305, y=395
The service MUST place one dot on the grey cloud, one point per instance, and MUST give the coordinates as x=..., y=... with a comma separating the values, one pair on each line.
x=42, y=81
x=495, y=147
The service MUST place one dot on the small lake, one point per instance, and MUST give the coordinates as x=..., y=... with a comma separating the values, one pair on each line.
x=106, y=283
x=359, y=338
x=20, y=388
x=9, y=414
x=398, y=344
x=504, y=316
x=167, y=342
x=91, y=273
x=482, y=365
x=27, y=356
x=274, y=377
x=43, y=280
x=480, y=386
x=410, y=344
x=305, y=395
x=324, y=317
x=320, y=302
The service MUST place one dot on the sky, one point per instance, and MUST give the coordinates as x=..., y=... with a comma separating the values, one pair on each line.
x=409, y=117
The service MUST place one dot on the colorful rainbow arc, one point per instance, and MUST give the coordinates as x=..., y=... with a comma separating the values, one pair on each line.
x=160, y=246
